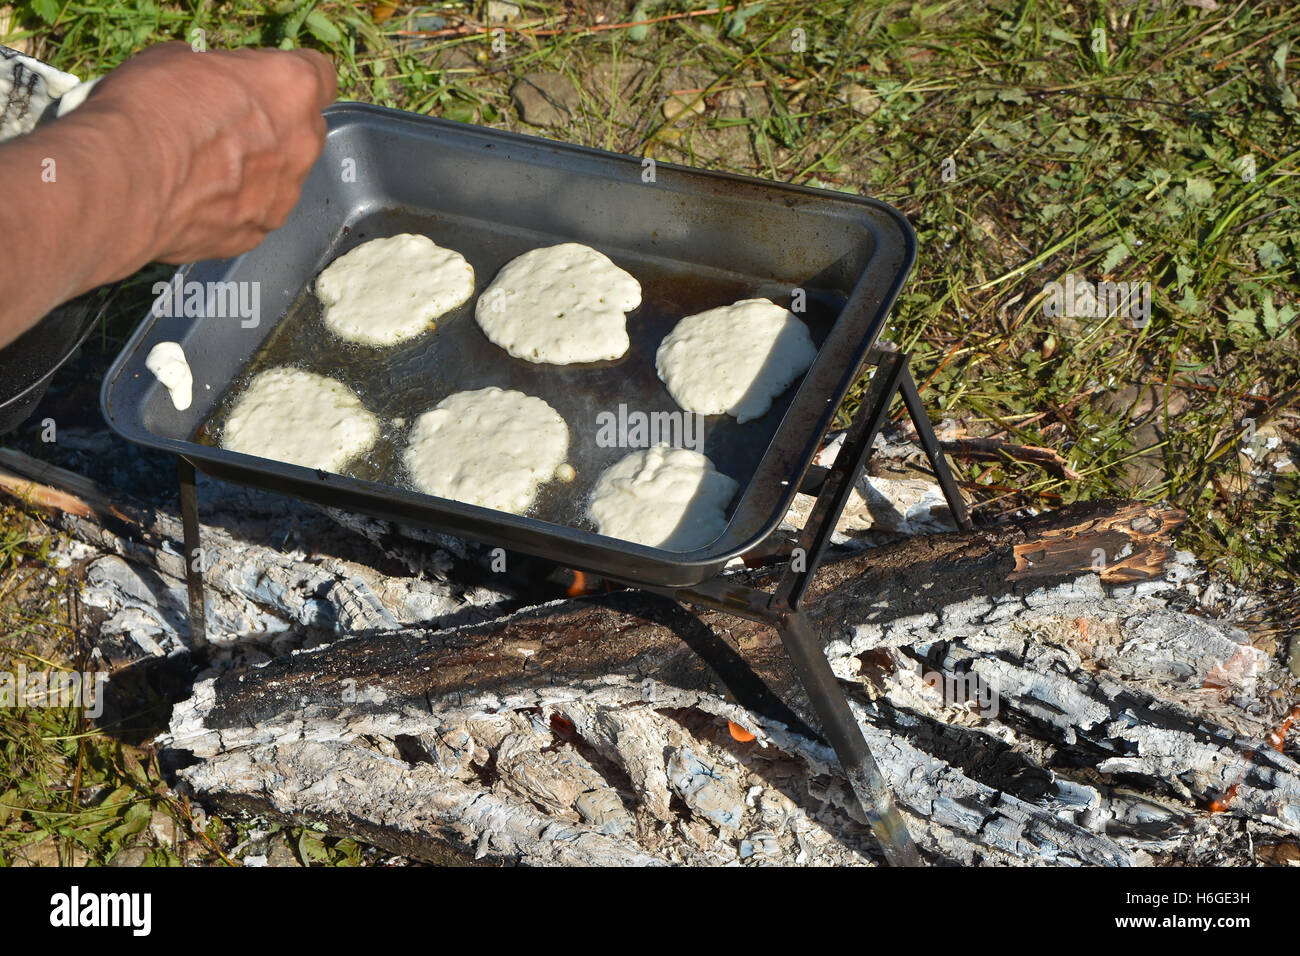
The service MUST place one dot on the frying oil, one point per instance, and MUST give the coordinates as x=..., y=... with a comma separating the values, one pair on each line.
x=399, y=383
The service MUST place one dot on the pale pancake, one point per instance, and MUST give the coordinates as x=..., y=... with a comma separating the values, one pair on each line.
x=670, y=498
x=489, y=447
x=298, y=417
x=559, y=305
x=389, y=290
x=734, y=359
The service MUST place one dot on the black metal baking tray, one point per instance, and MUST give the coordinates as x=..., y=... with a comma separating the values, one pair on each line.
x=694, y=240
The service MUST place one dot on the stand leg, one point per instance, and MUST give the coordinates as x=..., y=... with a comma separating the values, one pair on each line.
x=844, y=735
x=835, y=491
x=839, y=726
x=930, y=442
x=193, y=560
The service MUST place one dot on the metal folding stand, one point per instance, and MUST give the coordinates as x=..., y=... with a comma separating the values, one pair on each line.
x=781, y=608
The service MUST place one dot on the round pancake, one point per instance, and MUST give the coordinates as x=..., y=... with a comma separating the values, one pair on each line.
x=488, y=447
x=670, y=498
x=298, y=417
x=559, y=305
x=734, y=359
x=389, y=290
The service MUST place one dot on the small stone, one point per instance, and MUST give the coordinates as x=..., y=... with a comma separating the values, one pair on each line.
x=615, y=83
x=861, y=100
x=50, y=852
x=1139, y=403
x=544, y=98
x=1279, y=854
x=732, y=102
x=455, y=58
x=163, y=829
x=679, y=103
x=281, y=854
x=129, y=856
x=503, y=11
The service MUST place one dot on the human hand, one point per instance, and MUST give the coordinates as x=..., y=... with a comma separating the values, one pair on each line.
x=225, y=140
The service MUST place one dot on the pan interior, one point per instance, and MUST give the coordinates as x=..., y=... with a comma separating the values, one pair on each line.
x=400, y=382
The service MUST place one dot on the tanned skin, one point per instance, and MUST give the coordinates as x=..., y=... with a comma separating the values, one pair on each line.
x=175, y=156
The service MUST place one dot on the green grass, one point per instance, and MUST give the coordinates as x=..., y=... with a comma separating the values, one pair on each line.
x=1116, y=154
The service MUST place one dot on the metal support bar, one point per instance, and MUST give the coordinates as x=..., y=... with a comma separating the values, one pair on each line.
x=781, y=608
x=834, y=494
x=834, y=715
x=930, y=442
x=841, y=730
x=193, y=560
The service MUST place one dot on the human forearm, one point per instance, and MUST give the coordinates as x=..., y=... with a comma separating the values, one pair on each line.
x=177, y=155
x=78, y=213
